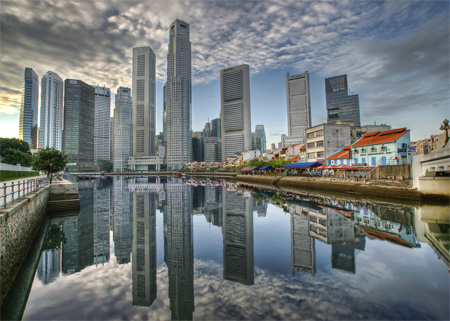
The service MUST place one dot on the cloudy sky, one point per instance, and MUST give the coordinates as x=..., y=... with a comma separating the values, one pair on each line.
x=396, y=53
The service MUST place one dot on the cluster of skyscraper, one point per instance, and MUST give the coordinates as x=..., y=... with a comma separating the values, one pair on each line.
x=85, y=132
x=341, y=107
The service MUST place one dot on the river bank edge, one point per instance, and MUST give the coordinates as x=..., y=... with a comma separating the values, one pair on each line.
x=394, y=190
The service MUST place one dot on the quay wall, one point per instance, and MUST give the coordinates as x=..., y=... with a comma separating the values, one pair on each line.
x=400, y=172
x=19, y=224
x=259, y=179
x=374, y=189
x=349, y=186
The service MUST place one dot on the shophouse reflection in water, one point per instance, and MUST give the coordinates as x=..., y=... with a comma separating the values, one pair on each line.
x=237, y=230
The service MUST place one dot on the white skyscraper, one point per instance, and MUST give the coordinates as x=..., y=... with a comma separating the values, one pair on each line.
x=298, y=107
x=144, y=95
x=122, y=129
x=102, y=122
x=51, y=114
x=178, y=97
x=235, y=111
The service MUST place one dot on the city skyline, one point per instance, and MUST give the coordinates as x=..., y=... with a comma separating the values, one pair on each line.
x=395, y=54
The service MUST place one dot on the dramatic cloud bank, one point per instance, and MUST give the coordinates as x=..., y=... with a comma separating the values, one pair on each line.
x=395, y=52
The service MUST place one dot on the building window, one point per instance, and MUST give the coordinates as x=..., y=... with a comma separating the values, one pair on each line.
x=363, y=151
x=356, y=151
x=373, y=149
x=383, y=149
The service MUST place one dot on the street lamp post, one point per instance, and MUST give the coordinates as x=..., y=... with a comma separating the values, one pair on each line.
x=445, y=127
x=50, y=172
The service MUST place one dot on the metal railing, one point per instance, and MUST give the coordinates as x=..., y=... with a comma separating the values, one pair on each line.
x=13, y=191
x=400, y=161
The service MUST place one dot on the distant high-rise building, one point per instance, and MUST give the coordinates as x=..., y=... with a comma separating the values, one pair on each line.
x=298, y=107
x=341, y=105
x=144, y=99
x=79, y=116
x=178, y=97
x=102, y=148
x=197, y=146
x=259, y=129
x=212, y=149
x=28, y=124
x=123, y=113
x=257, y=142
x=273, y=147
x=235, y=110
x=216, y=128
x=51, y=114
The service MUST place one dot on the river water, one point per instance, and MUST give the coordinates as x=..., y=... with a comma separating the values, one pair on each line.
x=164, y=248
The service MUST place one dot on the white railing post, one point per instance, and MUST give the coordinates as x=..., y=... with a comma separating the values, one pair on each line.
x=4, y=194
x=12, y=191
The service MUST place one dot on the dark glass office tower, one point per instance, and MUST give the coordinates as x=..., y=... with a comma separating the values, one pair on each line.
x=29, y=108
x=340, y=105
x=79, y=115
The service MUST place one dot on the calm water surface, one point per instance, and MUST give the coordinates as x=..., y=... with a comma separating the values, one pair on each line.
x=160, y=249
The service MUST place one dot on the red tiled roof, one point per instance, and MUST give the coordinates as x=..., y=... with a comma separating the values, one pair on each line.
x=295, y=159
x=344, y=153
x=381, y=137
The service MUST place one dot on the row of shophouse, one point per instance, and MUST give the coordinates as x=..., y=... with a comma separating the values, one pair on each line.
x=340, y=144
x=333, y=144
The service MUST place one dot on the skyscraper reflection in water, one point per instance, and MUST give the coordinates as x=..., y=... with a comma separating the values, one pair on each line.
x=237, y=231
x=101, y=221
x=144, y=241
x=122, y=220
x=179, y=249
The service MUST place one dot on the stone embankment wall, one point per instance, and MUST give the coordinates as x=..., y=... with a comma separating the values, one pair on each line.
x=19, y=225
x=212, y=174
x=259, y=179
x=393, y=172
x=400, y=190
x=366, y=188
x=63, y=196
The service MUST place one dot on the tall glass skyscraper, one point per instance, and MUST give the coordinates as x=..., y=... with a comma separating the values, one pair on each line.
x=29, y=108
x=144, y=99
x=122, y=131
x=340, y=105
x=259, y=130
x=102, y=123
x=79, y=116
x=235, y=110
x=178, y=97
x=298, y=107
x=51, y=119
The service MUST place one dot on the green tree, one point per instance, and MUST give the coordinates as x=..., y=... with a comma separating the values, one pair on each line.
x=277, y=163
x=15, y=151
x=45, y=157
x=14, y=157
x=14, y=143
